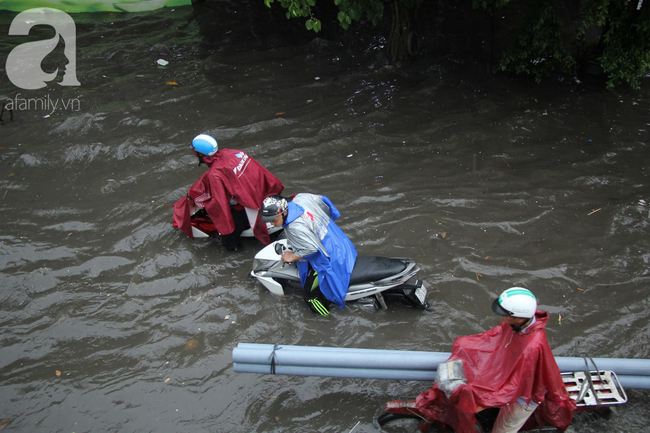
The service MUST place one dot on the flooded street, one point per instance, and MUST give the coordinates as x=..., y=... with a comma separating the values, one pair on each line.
x=113, y=320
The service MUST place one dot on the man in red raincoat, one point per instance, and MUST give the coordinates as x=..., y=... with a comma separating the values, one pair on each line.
x=230, y=192
x=510, y=367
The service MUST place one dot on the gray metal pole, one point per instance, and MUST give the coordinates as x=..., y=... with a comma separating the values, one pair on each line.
x=627, y=382
x=396, y=364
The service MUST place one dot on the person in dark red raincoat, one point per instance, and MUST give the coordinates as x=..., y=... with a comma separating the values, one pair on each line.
x=511, y=367
x=230, y=192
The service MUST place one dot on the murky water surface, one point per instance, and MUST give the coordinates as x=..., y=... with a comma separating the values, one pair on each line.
x=487, y=181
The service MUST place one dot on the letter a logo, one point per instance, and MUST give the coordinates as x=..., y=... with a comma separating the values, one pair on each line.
x=24, y=61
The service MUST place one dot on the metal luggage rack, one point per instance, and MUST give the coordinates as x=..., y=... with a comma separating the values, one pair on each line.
x=598, y=388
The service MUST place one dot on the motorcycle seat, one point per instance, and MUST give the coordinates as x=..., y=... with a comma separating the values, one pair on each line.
x=370, y=268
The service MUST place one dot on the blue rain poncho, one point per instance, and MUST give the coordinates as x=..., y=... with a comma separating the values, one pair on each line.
x=313, y=235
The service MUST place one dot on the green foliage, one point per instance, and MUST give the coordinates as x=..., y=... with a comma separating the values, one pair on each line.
x=489, y=5
x=625, y=43
x=538, y=49
x=349, y=11
x=625, y=54
x=298, y=9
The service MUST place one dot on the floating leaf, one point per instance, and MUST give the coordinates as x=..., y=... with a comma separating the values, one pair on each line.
x=279, y=113
x=443, y=234
x=171, y=83
x=191, y=344
x=58, y=373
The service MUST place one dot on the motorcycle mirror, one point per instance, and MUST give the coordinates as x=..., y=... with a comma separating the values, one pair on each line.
x=279, y=249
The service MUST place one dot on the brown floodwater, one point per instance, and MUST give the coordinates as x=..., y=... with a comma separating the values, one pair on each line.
x=112, y=320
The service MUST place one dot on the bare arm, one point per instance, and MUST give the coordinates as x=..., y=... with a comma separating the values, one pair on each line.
x=289, y=257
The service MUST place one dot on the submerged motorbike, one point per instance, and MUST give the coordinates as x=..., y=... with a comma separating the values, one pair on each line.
x=373, y=281
x=203, y=227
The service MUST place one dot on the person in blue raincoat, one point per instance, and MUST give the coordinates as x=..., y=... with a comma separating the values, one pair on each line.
x=324, y=254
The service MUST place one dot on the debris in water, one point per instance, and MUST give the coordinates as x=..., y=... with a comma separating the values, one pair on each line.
x=559, y=319
x=168, y=379
x=191, y=344
x=162, y=62
x=171, y=83
x=58, y=373
x=4, y=423
x=594, y=211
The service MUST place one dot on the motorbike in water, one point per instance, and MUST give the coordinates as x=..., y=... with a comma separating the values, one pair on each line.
x=595, y=392
x=374, y=280
x=203, y=227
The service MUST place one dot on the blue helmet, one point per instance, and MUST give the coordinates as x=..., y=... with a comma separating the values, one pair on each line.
x=205, y=144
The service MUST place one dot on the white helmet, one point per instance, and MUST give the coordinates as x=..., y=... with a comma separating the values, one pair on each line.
x=515, y=302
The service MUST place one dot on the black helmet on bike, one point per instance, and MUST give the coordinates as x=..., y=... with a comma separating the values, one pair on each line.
x=273, y=206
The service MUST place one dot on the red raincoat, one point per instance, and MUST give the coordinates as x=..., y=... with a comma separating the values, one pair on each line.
x=232, y=174
x=500, y=366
